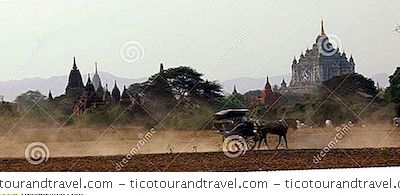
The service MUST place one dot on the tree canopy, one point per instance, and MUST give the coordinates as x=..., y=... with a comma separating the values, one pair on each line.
x=29, y=98
x=187, y=82
x=393, y=91
x=347, y=85
x=180, y=82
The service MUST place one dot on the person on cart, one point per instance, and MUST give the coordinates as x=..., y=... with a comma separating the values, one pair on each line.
x=247, y=126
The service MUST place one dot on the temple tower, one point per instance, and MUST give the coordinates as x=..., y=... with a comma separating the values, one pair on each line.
x=75, y=83
x=96, y=78
x=116, y=94
x=318, y=64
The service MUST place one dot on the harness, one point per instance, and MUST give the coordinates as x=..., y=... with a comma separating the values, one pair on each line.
x=283, y=123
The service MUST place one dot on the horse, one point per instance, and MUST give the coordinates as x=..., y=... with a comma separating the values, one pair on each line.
x=279, y=128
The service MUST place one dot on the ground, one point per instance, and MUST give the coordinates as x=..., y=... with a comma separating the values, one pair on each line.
x=99, y=149
x=217, y=161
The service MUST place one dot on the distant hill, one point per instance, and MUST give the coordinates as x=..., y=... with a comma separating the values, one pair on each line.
x=12, y=88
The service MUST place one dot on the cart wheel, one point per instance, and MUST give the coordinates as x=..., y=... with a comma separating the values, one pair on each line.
x=251, y=142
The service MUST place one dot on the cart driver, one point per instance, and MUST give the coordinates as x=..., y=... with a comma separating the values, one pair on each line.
x=247, y=126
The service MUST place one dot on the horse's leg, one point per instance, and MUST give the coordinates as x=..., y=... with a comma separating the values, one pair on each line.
x=259, y=142
x=262, y=138
x=265, y=139
x=284, y=137
x=280, y=137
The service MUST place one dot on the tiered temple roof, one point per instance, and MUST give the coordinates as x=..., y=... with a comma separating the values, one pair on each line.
x=93, y=94
x=320, y=63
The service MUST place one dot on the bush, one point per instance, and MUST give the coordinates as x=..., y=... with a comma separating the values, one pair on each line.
x=102, y=116
x=191, y=115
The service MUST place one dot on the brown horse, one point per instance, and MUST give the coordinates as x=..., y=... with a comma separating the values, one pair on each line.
x=279, y=128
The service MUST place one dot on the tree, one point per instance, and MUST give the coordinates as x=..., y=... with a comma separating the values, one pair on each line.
x=393, y=91
x=156, y=85
x=187, y=82
x=29, y=98
x=350, y=85
x=156, y=92
x=232, y=101
x=208, y=91
x=154, y=96
x=8, y=109
x=136, y=89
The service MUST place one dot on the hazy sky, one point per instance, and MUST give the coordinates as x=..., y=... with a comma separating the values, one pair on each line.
x=223, y=39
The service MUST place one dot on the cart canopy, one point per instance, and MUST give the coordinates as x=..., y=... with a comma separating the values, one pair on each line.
x=230, y=113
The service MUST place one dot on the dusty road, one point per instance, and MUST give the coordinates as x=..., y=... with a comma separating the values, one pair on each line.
x=90, y=149
x=72, y=141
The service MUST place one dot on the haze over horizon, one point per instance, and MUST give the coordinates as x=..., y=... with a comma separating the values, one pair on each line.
x=223, y=40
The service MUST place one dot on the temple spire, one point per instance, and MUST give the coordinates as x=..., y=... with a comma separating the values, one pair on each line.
x=95, y=67
x=116, y=94
x=268, y=85
x=50, y=97
x=283, y=84
x=161, y=68
x=322, y=28
x=234, y=90
x=74, y=65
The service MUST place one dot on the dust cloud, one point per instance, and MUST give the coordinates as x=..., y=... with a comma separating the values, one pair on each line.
x=74, y=141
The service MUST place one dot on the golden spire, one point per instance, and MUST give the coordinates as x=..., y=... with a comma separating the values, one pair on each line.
x=322, y=28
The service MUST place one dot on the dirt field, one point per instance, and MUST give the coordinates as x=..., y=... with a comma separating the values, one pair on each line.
x=217, y=161
x=99, y=149
x=74, y=141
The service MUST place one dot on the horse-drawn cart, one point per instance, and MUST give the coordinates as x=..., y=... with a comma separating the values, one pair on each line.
x=237, y=130
x=241, y=133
